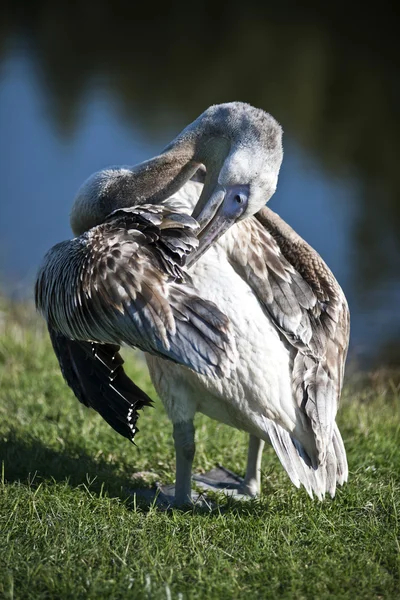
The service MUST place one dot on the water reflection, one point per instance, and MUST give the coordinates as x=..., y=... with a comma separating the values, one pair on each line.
x=84, y=86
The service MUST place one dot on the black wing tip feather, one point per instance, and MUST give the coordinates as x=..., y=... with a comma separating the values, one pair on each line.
x=95, y=374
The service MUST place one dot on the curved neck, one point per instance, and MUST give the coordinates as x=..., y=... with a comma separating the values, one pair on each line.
x=158, y=178
x=150, y=182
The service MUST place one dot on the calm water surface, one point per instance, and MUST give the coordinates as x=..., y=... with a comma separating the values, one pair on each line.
x=61, y=120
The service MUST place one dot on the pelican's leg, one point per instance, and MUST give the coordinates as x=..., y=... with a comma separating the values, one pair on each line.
x=184, y=452
x=252, y=481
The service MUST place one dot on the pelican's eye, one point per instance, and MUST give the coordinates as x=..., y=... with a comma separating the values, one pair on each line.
x=236, y=200
x=240, y=198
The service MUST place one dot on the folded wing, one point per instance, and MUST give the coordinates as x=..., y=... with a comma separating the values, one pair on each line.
x=123, y=282
x=308, y=307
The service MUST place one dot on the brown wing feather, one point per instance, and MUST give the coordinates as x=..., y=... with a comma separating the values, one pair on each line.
x=308, y=307
x=122, y=282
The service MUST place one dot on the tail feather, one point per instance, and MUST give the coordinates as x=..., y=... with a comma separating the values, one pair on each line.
x=340, y=452
x=295, y=461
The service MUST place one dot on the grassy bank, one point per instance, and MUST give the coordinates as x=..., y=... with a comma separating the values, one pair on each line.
x=69, y=527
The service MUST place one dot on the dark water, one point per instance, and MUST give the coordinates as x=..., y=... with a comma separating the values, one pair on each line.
x=87, y=85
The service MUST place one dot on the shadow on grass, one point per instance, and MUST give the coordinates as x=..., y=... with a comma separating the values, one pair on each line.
x=29, y=460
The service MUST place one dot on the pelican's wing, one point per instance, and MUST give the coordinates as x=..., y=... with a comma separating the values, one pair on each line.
x=122, y=282
x=96, y=375
x=308, y=307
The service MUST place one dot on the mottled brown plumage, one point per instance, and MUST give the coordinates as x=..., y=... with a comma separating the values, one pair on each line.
x=122, y=282
x=308, y=307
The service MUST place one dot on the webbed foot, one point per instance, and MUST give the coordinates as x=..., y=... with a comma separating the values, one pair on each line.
x=220, y=479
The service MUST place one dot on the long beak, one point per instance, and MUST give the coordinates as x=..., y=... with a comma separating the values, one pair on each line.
x=223, y=209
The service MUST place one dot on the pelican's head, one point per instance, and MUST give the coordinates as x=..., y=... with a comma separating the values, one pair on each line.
x=241, y=147
x=242, y=150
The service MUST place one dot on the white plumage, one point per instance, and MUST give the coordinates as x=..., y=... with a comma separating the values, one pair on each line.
x=258, y=396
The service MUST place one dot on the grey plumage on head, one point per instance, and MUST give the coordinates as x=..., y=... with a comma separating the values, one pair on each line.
x=242, y=125
x=240, y=143
x=239, y=119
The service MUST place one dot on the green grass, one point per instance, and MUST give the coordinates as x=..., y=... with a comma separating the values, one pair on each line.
x=69, y=527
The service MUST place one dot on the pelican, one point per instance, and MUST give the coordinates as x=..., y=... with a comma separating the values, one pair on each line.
x=239, y=318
